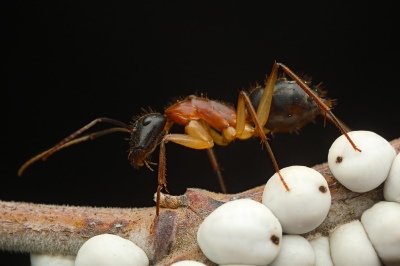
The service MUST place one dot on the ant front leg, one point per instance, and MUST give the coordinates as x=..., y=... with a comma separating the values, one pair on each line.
x=197, y=137
x=162, y=181
x=260, y=117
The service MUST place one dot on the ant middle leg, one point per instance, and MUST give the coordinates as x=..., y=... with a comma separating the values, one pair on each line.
x=217, y=169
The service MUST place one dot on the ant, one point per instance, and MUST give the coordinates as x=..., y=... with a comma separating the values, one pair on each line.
x=281, y=106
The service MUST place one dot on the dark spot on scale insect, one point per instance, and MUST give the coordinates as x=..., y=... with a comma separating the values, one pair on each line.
x=323, y=189
x=339, y=159
x=275, y=239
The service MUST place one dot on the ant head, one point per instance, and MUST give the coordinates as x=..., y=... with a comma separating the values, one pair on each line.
x=146, y=134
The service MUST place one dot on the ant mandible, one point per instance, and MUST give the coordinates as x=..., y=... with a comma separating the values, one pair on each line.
x=281, y=106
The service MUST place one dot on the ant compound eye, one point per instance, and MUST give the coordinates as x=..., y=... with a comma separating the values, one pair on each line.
x=154, y=119
x=147, y=120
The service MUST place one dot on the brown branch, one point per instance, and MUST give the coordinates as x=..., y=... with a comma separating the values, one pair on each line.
x=45, y=229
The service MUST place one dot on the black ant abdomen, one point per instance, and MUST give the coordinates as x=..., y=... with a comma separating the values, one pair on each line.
x=291, y=107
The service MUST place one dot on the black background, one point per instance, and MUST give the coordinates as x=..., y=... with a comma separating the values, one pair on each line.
x=69, y=62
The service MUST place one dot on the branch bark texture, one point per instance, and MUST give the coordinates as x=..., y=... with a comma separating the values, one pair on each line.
x=54, y=229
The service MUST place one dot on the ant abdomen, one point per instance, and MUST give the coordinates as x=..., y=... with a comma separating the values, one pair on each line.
x=291, y=108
